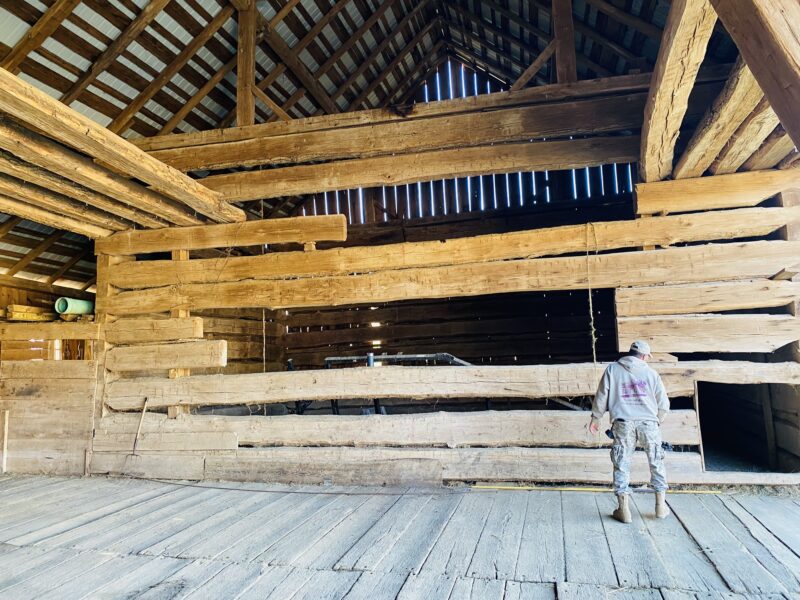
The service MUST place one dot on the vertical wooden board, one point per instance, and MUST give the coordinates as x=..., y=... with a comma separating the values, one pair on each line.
x=380, y=538
x=409, y=552
x=634, y=552
x=498, y=547
x=586, y=552
x=373, y=586
x=184, y=581
x=753, y=544
x=327, y=551
x=541, y=550
x=453, y=551
x=426, y=586
x=683, y=559
x=516, y=590
x=740, y=570
x=285, y=550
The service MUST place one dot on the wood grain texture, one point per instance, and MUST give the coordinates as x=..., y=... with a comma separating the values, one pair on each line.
x=755, y=129
x=180, y=355
x=140, y=331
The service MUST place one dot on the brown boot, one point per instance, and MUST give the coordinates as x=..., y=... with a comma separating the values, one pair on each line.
x=662, y=510
x=623, y=512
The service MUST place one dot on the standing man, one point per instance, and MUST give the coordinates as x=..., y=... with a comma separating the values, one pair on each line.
x=635, y=397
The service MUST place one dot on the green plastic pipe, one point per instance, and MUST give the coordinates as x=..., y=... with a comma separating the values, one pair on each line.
x=74, y=306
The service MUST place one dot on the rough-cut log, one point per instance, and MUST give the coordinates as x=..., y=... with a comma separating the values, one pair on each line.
x=683, y=46
x=141, y=331
x=739, y=98
x=705, y=297
x=181, y=355
x=149, y=441
x=35, y=108
x=440, y=429
x=661, y=231
x=563, y=119
x=538, y=381
x=246, y=65
x=713, y=262
x=748, y=138
x=766, y=33
x=710, y=333
x=49, y=331
x=11, y=206
x=564, y=37
x=708, y=193
x=423, y=166
x=252, y=233
x=775, y=148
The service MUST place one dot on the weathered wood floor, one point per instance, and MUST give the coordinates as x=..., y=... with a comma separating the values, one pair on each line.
x=115, y=538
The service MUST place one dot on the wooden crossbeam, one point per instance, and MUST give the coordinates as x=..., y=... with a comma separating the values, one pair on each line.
x=536, y=66
x=739, y=98
x=123, y=120
x=35, y=108
x=564, y=37
x=283, y=12
x=36, y=35
x=766, y=33
x=626, y=18
x=13, y=206
x=35, y=252
x=246, y=65
x=748, y=138
x=271, y=104
x=9, y=224
x=774, y=149
x=115, y=49
x=69, y=264
x=688, y=29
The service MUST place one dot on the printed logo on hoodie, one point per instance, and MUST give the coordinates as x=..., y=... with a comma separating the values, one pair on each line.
x=635, y=391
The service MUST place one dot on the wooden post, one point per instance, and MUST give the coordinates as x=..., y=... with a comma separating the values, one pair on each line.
x=246, y=65
x=564, y=35
x=4, y=447
x=181, y=313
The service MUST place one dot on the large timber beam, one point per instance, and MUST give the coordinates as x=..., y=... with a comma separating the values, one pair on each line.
x=564, y=37
x=38, y=110
x=424, y=166
x=748, y=138
x=246, y=65
x=689, y=27
x=767, y=33
x=12, y=206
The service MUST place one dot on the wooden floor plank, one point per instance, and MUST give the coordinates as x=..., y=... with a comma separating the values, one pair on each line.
x=285, y=550
x=516, y=590
x=184, y=581
x=755, y=545
x=453, y=551
x=27, y=562
x=63, y=575
x=741, y=571
x=375, y=586
x=415, y=543
x=635, y=554
x=584, y=591
x=328, y=585
x=498, y=547
x=478, y=589
x=328, y=550
x=380, y=538
x=541, y=550
x=291, y=583
x=586, y=552
x=265, y=585
x=682, y=557
x=229, y=582
x=136, y=582
x=417, y=587
x=239, y=506
x=776, y=516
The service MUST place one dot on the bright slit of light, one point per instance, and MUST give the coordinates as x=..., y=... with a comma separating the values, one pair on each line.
x=375, y=324
x=376, y=343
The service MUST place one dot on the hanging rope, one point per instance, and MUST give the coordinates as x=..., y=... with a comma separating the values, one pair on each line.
x=592, y=328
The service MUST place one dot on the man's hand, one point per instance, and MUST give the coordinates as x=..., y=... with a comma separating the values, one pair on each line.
x=594, y=427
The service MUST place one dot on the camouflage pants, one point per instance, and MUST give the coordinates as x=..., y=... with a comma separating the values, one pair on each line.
x=626, y=435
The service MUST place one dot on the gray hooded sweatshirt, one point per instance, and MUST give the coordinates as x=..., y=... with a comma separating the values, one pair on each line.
x=630, y=390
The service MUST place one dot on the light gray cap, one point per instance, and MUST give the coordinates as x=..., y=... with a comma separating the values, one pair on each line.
x=640, y=347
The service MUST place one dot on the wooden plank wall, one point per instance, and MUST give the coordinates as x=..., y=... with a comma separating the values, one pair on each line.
x=19, y=349
x=49, y=407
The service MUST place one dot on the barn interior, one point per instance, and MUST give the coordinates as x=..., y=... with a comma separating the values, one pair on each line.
x=396, y=242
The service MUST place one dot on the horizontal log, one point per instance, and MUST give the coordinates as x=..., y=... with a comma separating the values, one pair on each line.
x=50, y=371
x=707, y=193
x=439, y=429
x=363, y=465
x=710, y=333
x=20, y=283
x=181, y=355
x=162, y=441
x=423, y=166
x=593, y=237
x=159, y=465
x=705, y=297
x=49, y=331
x=712, y=262
x=537, y=381
x=140, y=331
x=251, y=233
x=517, y=124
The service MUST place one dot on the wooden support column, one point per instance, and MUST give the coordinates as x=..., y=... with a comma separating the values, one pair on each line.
x=180, y=313
x=766, y=33
x=4, y=416
x=564, y=34
x=246, y=66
